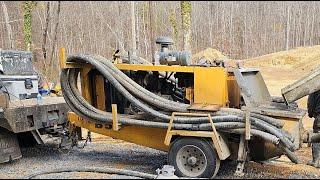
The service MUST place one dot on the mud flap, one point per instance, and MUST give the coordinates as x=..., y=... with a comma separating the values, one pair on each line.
x=9, y=146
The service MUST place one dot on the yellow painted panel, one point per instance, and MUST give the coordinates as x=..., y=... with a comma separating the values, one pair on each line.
x=85, y=84
x=100, y=92
x=144, y=136
x=292, y=126
x=233, y=92
x=210, y=86
x=62, y=57
x=189, y=94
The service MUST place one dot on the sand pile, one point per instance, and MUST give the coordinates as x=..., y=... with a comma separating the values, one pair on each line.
x=209, y=54
x=301, y=58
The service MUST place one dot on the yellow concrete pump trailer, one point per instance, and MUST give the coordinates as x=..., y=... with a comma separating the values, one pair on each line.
x=199, y=115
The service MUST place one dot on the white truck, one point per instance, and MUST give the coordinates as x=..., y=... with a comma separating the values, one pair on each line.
x=23, y=119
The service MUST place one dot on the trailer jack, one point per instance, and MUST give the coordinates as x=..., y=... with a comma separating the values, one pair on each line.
x=242, y=156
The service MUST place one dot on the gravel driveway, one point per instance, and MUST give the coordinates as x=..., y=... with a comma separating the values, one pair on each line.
x=107, y=152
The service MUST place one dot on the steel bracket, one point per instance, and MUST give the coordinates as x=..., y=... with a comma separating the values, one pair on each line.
x=218, y=141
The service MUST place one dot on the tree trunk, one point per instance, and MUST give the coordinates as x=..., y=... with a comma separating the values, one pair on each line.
x=186, y=24
x=8, y=25
x=54, y=42
x=144, y=31
x=137, y=10
x=174, y=24
x=45, y=32
x=151, y=22
x=119, y=31
x=210, y=10
x=288, y=28
x=27, y=25
x=312, y=25
x=133, y=29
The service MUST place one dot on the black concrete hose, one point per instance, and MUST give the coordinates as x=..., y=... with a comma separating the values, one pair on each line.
x=76, y=101
x=259, y=133
x=231, y=120
x=139, y=91
x=96, y=170
x=267, y=119
x=100, y=62
x=122, y=90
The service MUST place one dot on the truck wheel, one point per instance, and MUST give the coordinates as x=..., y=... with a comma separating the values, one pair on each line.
x=193, y=157
x=9, y=146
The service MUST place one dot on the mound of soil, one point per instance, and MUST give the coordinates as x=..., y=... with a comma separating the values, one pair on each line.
x=301, y=58
x=209, y=54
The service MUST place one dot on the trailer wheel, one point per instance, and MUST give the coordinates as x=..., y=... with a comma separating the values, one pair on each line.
x=193, y=157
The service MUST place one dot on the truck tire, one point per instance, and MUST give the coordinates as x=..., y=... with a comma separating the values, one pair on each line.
x=193, y=157
x=9, y=146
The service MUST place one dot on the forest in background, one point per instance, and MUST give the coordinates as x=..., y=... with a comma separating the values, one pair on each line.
x=240, y=29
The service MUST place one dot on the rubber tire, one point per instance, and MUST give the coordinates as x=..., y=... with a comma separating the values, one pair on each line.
x=213, y=161
x=9, y=146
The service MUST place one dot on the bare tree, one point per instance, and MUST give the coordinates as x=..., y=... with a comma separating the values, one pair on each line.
x=151, y=22
x=186, y=24
x=28, y=6
x=8, y=26
x=133, y=28
x=288, y=28
x=174, y=24
x=238, y=29
x=54, y=42
x=55, y=34
x=45, y=31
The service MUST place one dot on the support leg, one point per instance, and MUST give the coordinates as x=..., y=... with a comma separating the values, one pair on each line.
x=242, y=157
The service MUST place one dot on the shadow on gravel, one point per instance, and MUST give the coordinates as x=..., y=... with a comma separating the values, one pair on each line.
x=41, y=150
x=124, y=157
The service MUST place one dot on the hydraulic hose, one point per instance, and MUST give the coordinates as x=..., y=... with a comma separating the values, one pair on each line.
x=105, y=117
x=267, y=119
x=259, y=133
x=227, y=119
x=122, y=90
x=96, y=170
x=139, y=91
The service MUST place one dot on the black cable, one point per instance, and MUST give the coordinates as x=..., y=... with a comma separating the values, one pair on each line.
x=96, y=170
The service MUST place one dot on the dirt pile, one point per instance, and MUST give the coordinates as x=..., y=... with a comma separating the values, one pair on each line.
x=301, y=58
x=209, y=54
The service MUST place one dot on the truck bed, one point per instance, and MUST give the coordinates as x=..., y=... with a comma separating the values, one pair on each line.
x=33, y=102
x=27, y=115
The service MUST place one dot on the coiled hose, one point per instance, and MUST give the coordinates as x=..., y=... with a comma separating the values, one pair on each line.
x=227, y=119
